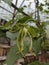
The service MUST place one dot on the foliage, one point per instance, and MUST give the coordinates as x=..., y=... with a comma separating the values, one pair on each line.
x=13, y=55
x=2, y=31
x=36, y=35
x=38, y=63
x=24, y=30
x=37, y=45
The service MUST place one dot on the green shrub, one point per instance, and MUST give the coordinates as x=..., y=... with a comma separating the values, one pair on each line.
x=38, y=63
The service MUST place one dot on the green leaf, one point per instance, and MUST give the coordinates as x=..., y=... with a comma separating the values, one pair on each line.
x=26, y=47
x=23, y=20
x=41, y=4
x=33, y=31
x=37, y=45
x=11, y=35
x=13, y=55
x=26, y=19
x=46, y=11
x=47, y=3
x=24, y=6
x=7, y=25
x=40, y=8
x=11, y=58
x=44, y=24
x=20, y=9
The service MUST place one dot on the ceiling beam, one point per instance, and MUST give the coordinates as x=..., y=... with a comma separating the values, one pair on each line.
x=6, y=9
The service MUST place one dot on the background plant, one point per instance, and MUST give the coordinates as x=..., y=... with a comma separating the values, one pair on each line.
x=36, y=34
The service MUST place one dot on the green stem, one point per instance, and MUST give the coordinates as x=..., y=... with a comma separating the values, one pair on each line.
x=18, y=42
x=22, y=39
x=30, y=48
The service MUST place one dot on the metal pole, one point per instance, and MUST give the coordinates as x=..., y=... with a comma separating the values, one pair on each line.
x=37, y=13
x=6, y=9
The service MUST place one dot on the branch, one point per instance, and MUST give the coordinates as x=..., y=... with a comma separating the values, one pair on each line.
x=37, y=13
x=19, y=10
x=14, y=13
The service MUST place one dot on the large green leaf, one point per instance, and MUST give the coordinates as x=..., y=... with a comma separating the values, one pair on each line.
x=37, y=45
x=11, y=35
x=13, y=56
x=26, y=46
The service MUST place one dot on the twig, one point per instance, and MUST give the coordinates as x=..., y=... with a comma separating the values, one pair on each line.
x=37, y=13
x=19, y=10
x=14, y=13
